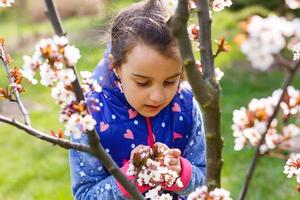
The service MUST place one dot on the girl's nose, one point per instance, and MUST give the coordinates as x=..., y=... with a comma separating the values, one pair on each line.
x=157, y=96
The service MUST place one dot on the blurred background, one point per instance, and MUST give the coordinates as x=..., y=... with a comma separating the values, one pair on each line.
x=32, y=169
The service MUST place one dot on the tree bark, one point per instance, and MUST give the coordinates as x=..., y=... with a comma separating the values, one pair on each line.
x=205, y=87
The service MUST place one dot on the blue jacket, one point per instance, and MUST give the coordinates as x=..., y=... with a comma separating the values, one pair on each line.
x=121, y=129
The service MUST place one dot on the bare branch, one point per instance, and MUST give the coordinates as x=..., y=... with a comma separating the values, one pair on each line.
x=66, y=144
x=204, y=19
x=257, y=154
x=17, y=95
x=281, y=60
x=94, y=141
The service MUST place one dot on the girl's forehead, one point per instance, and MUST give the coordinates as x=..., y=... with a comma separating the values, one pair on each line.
x=147, y=61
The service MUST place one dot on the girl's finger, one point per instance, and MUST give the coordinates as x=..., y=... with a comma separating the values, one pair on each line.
x=171, y=161
x=137, y=149
x=161, y=145
x=174, y=152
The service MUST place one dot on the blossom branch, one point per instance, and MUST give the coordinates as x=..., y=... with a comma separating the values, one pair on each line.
x=94, y=141
x=287, y=82
x=66, y=144
x=11, y=80
x=205, y=88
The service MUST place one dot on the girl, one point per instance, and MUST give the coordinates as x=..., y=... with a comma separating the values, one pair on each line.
x=143, y=102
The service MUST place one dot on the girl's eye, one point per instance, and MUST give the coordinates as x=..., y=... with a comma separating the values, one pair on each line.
x=169, y=83
x=142, y=84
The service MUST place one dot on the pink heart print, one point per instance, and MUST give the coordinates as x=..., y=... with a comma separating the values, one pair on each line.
x=128, y=134
x=103, y=126
x=177, y=135
x=176, y=108
x=132, y=113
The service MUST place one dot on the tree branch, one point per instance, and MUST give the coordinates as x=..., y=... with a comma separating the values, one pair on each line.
x=178, y=27
x=205, y=87
x=257, y=154
x=66, y=144
x=204, y=19
x=94, y=141
x=17, y=95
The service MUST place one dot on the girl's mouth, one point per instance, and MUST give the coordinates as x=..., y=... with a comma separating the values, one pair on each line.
x=152, y=108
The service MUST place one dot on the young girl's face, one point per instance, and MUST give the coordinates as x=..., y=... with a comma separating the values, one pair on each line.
x=149, y=79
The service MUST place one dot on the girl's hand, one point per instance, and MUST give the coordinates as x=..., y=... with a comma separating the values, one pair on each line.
x=172, y=160
x=140, y=148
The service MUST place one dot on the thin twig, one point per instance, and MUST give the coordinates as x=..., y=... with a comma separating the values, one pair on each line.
x=17, y=95
x=257, y=154
x=94, y=140
x=66, y=144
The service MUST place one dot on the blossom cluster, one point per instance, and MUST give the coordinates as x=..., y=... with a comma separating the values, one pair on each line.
x=150, y=167
x=6, y=3
x=263, y=39
x=202, y=193
x=156, y=194
x=292, y=167
x=219, y=5
x=54, y=58
x=249, y=124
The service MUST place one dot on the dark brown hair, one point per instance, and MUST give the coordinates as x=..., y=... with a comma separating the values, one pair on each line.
x=143, y=22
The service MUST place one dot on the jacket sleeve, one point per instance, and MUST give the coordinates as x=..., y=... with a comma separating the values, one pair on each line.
x=89, y=178
x=193, y=160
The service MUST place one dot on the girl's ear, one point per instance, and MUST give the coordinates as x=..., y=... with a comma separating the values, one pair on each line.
x=116, y=69
x=111, y=61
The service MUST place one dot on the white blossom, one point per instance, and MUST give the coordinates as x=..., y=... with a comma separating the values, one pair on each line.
x=202, y=193
x=85, y=74
x=219, y=74
x=48, y=76
x=219, y=5
x=63, y=96
x=88, y=123
x=66, y=76
x=292, y=167
x=291, y=130
x=296, y=51
x=293, y=4
x=6, y=3
x=72, y=55
x=60, y=41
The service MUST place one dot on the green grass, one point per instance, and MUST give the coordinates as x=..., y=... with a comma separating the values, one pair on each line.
x=33, y=169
